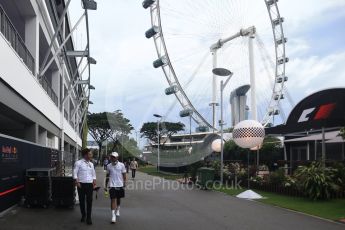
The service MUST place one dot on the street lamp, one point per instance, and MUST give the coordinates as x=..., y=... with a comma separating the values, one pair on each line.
x=223, y=73
x=158, y=133
x=248, y=134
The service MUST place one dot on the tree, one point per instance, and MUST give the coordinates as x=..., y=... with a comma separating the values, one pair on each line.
x=149, y=130
x=99, y=129
x=120, y=127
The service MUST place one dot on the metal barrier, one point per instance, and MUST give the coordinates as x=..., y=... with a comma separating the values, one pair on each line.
x=17, y=43
x=49, y=90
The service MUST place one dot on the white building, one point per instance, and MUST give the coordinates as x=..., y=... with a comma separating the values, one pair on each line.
x=33, y=87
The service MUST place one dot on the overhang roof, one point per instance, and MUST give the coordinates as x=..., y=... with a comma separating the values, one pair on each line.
x=316, y=137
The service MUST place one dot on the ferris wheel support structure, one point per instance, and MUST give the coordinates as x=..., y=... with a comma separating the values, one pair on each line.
x=250, y=33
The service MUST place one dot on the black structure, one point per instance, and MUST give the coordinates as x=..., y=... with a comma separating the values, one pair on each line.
x=63, y=191
x=323, y=109
x=16, y=156
x=38, y=187
x=312, y=129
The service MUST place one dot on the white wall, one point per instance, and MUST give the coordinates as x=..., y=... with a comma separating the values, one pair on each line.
x=15, y=73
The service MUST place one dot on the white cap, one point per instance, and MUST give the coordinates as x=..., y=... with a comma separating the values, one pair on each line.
x=114, y=154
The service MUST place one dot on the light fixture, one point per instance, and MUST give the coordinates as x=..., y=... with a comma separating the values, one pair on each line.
x=216, y=145
x=92, y=87
x=221, y=72
x=89, y=5
x=90, y=103
x=91, y=60
x=248, y=134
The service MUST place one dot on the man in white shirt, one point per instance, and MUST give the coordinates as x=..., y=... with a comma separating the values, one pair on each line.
x=116, y=177
x=85, y=178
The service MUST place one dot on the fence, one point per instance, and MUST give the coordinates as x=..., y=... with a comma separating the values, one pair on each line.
x=17, y=43
x=48, y=89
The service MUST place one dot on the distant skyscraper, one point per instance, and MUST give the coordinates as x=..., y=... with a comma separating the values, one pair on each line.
x=238, y=101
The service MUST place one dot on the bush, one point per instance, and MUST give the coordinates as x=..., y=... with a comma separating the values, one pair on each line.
x=316, y=182
x=340, y=175
x=216, y=166
x=277, y=177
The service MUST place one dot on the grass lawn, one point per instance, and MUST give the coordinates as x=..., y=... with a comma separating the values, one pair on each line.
x=152, y=170
x=332, y=209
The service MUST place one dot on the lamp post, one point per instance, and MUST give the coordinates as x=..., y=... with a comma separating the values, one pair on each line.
x=223, y=73
x=158, y=133
x=248, y=134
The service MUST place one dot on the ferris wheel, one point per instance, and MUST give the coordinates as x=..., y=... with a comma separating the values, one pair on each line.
x=246, y=36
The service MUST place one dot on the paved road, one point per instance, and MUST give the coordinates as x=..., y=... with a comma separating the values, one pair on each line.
x=164, y=208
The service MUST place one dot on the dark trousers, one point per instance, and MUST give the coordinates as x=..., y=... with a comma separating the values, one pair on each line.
x=133, y=173
x=86, y=191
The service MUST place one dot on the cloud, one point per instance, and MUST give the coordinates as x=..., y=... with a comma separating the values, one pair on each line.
x=315, y=73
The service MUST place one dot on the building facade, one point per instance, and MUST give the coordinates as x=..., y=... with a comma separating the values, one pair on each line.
x=31, y=105
x=44, y=95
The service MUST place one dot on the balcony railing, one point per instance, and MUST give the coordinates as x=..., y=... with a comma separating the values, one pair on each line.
x=13, y=37
x=49, y=90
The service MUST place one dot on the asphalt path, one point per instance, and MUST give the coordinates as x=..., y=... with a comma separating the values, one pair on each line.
x=153, y=203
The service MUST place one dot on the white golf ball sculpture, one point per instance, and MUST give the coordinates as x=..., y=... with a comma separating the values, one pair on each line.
x=248, y=134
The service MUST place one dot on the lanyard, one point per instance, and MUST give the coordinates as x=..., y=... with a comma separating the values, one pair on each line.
x=88, y=163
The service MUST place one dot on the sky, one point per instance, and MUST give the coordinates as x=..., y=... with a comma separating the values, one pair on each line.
x=125, y=79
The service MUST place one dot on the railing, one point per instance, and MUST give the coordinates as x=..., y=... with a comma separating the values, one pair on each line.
x=48, y=89
x=17, y=43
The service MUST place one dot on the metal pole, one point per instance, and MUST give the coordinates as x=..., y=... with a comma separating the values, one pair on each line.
x=285, y=158
x=190, y=130
x=62, y=105
x=214, y=90
x=248, y=168
x=323, y=148
x=221, y=131
x=158, y=157
x=258, y=158
x=342, y=149
x=106, y=147
x=308, y=151
x=315, y=150
x=252, y=77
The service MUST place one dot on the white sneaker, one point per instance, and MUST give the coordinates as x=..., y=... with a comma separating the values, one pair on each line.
x=113, y=219
x=118, y=212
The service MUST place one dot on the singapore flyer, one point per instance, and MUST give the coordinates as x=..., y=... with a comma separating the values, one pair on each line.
x=192, y=39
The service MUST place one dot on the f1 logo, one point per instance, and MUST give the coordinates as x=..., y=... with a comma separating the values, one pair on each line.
x=322, y=113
